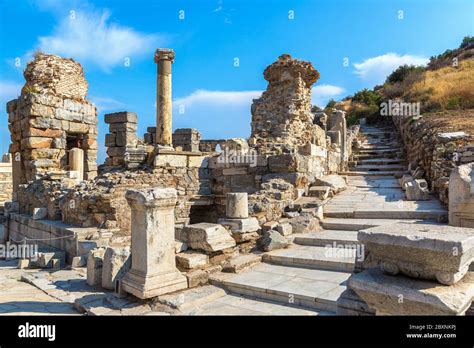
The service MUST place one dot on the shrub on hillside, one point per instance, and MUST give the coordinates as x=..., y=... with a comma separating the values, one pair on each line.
x=367, y=97
x=402, y=72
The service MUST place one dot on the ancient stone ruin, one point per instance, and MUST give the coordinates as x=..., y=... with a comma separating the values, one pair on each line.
x=166, y=217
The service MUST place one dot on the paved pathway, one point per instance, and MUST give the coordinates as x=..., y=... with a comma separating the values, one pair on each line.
x=20, y=298
x=309, y=275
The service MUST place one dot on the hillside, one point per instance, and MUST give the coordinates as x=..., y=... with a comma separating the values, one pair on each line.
x=444, y=90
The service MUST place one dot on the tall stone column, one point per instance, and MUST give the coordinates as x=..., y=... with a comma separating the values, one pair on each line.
x=153, y=270
x=164, y=57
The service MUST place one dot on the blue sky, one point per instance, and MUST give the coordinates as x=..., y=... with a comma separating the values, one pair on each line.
x=209, y=37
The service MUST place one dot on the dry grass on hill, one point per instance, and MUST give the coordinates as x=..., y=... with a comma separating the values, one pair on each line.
x=448, y=87
x=452, y=120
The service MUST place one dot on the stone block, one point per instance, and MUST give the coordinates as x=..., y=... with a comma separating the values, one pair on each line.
x=39, y=213
x=163, y=160
x=424, y=251
x=245, y=237
x=45, y=259
x=121, y=117
x=208, y=237
x=115, y=264
x=197, y=277
x=180, y=247
x=285, y=229
x=241, y=225
x=321, y=192
x=304, y=224
x=79, y=261
x=241, y=263
x=389, y=295
x=23, y=263
x=272, y=240
x=110, y=140
x=313, y=150
x=335, y=182
x=198, y=161
x=94, y=266
x=270, y=225
x=192, y=259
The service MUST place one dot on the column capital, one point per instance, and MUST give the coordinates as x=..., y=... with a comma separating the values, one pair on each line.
x=164, y=54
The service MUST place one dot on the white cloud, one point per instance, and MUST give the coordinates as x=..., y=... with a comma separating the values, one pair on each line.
x=320, y=95
x=104, y=104
x=205, y=97
x=374, y=70
x=90, y=37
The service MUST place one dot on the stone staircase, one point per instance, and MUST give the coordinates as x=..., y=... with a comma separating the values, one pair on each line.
x=309, y=275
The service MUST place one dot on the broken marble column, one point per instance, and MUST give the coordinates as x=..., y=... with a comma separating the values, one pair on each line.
x=153, y=271
x=461, y=196
x=237, y=205
x=76, y=162
x=423, y=251
x=337, y=123
x=164, y=57
x=237, y=219
x=388, y=295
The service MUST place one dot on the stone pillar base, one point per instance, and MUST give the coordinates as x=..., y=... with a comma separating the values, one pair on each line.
x=145, y=287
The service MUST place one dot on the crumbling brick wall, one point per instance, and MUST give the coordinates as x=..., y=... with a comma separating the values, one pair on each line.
x=281, y=117
x=49, y=118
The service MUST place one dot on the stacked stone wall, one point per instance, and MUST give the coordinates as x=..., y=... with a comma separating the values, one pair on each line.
x=436, y=152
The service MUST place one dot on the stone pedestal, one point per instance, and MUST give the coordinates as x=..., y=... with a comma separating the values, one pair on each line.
x=76, y=162
x=164, y=57
x=237, y=205
x=153, y=270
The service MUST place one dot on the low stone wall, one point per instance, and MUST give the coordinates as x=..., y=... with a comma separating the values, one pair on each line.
x=54, y=234
x=102, y=202
x=438, y=153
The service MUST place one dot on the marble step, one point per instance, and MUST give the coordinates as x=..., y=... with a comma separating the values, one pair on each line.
x=314, y=257
x=373, y=182
x=353, y=224
x=378, y=167
x=381, y=146
x=295, y=287
x=381, y=161
x=389, y=155
x=428, y=214
x=376, y=151
x=235, y=304
x=326, y=237
x=371, y=173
